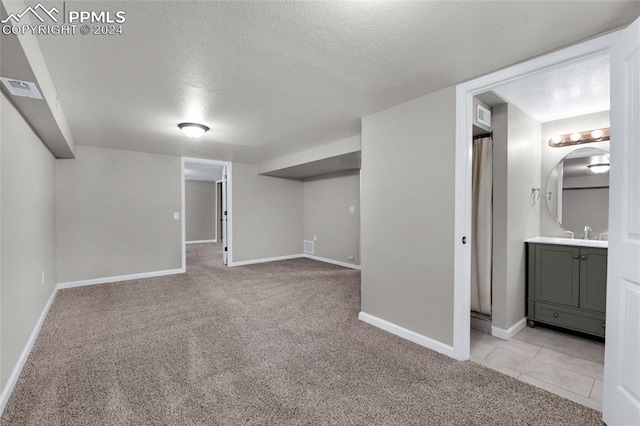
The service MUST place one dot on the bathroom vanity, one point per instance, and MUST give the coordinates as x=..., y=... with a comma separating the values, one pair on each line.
x=567, y=283
x=567, y=277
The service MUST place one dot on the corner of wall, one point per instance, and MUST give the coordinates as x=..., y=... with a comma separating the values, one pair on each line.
x=331, y=216
x=28, y=244
x=274, y=228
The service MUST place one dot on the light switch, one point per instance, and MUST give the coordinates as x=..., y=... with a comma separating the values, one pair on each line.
x=352, y=209
x=176, y=216
x=315, y=238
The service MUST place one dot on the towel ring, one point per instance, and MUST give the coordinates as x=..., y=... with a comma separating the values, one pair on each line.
x=535, y=195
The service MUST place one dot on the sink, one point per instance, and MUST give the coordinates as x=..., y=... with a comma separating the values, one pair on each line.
x=568, y=242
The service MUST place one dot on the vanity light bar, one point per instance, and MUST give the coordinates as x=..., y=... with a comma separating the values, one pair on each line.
x=576, y=138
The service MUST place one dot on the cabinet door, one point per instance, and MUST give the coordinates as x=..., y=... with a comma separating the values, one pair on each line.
x=557, y=274
x=593, y=279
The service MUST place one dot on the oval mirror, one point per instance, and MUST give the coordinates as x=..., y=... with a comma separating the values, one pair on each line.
x=578, y=192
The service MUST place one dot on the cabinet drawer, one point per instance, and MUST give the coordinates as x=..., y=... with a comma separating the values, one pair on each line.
x=575, y=319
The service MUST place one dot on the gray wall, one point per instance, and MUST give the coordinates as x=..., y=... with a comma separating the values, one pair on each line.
x=408, y=167
x=115, y=214
x=200, y=210
x=267, y=215
x=28, y=248
x=326, y=214
x=516, y=170
x=551, y=157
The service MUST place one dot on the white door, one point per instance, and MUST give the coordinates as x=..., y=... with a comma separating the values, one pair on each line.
x=621, y=400
x=225, y=244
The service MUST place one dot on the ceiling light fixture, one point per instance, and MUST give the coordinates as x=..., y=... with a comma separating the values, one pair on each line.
x=599, y=167
x=193, y=130
x=575, y=138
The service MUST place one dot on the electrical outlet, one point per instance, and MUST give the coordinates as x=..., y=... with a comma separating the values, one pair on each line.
x=352, y=209
x=315, y=238
x=176, y=216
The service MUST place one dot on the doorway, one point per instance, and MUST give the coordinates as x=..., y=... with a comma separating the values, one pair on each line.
x=464, y=100
x=622, y=337
x=206, y=205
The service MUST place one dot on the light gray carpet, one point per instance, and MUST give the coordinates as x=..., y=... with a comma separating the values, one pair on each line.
x=276, y=343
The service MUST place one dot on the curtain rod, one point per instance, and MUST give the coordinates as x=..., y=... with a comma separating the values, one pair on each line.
x=484, y=135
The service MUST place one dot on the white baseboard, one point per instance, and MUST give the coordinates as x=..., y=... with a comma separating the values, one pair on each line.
x=294, y=256
x=201, y=241
x=119, y=278
x=266, y=259
x=508, y=334
x=412, y=336
x=333, y=262
x=15, y=374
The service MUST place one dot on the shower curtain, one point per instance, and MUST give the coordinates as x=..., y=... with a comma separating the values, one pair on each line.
x=481, y=233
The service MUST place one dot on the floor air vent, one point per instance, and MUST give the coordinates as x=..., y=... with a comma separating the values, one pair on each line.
x=308, y=247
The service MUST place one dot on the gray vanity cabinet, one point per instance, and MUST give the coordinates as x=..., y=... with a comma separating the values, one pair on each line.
x=593, y=279
x=566, y=286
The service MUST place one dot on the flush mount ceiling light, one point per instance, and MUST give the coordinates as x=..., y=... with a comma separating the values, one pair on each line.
x=599, y=167
x=193, y=130
x=576, y=138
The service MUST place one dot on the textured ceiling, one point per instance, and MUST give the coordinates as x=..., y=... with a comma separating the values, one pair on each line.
x=271, y=78
x=575, y=89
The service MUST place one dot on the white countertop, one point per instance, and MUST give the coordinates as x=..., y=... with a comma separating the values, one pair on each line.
x=568, y=242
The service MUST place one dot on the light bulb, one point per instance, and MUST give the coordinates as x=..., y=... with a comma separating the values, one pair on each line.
x=599, y=168
x=597, y=134
x=576, y=136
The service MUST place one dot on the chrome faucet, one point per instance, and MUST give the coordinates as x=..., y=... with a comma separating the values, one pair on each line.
x=571, y=234
x=587, y=230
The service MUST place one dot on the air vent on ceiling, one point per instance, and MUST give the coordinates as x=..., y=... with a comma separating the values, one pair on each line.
x=309, y=247
x=25, y=89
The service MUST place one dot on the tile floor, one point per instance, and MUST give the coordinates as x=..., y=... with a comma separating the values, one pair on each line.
x=564, y=364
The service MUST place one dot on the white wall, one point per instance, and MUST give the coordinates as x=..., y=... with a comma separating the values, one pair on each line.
x=517, y=156
x=28, y=226
x=201, y=202
x=267, y=215
x=408, y=170
x=115, y=214
x=551, y=156
x=327, y=200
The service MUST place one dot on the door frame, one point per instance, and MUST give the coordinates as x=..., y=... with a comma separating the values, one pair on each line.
x=229, y=166
x=218, y=210
x=463, y=156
